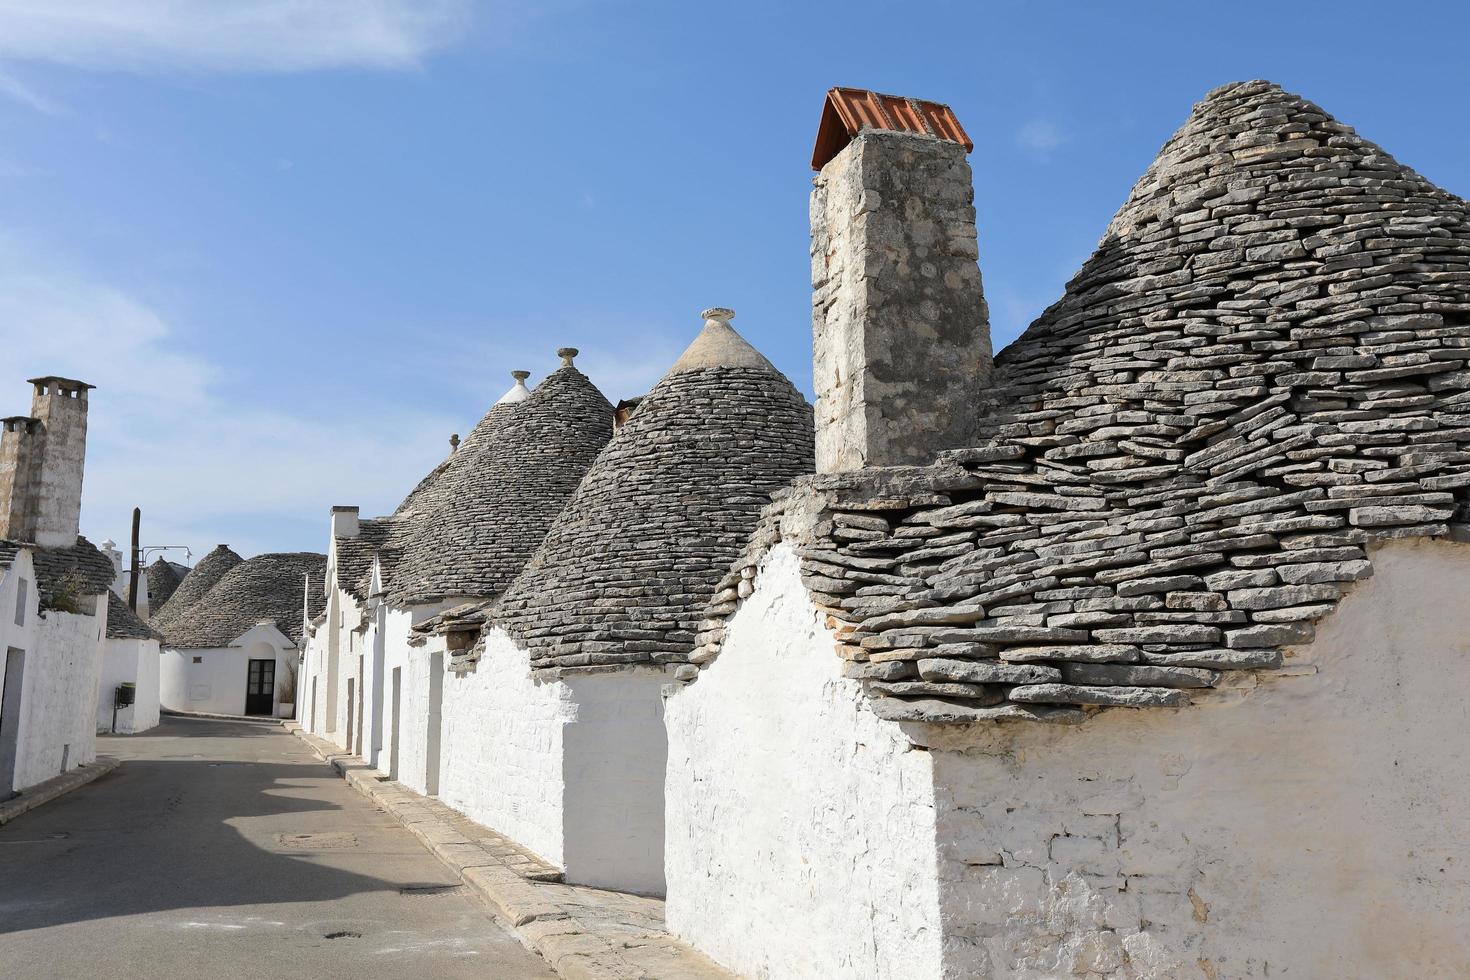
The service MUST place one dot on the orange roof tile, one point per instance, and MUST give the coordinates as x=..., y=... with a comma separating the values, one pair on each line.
x=848, y=111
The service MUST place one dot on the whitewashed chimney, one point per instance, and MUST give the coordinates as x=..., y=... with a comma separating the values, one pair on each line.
x=900, y=329
x=344, y=522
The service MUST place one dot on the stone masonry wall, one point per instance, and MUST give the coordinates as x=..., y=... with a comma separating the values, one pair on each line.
x=1306, y=823
x=901, y=336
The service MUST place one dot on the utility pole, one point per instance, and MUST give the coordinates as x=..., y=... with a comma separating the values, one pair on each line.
x=133, y=574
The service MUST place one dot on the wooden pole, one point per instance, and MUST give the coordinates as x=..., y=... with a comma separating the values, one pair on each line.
x=133, y=576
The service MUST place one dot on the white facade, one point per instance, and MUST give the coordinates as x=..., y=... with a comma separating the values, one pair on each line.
x=800, y=827
x=128, y=661
x=571, y=769
x=213, y=681
x=1306, y=822
x=48, y=682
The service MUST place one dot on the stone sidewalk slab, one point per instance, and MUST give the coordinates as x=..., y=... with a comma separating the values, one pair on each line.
x=34, y=796
x=584, y=933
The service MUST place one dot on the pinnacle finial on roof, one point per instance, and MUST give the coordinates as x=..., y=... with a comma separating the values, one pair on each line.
x=566, y=354
x=518, y=391
x=453, y=441
x=718, y=345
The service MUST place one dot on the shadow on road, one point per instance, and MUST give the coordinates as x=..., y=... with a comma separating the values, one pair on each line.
x=180, y=833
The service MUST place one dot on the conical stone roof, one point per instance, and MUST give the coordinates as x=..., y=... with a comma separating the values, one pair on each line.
x=265, y=587
x=624, y=573
x=124, y=624
x=474, y=526
x=1264, y=368
x=163, y=580
x=201, y=578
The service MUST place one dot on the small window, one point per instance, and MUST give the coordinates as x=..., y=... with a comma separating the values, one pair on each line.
x=20, y=602
x=199, y=660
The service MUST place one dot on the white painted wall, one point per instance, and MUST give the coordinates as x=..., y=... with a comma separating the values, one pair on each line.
x=1311, y=827
x=135, y=661
x=217, y=683
x=418, y=717
x=800, y=828
x=502, y=748
x=614, y=756
x=572, y=770
x=59, y=700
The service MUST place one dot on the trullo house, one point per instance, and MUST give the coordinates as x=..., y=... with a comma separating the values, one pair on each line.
x=235, y=651
x=53, y=584
x=1140, y=650
x=461, y=535
x=553, y=727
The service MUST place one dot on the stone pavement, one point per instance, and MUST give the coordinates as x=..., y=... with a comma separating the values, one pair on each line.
x=584, y=933
x=227, y=850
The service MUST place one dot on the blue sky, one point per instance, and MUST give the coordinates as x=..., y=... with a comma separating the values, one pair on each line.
x=296, y=243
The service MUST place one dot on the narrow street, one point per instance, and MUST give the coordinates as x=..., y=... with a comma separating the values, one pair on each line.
x=226, y=849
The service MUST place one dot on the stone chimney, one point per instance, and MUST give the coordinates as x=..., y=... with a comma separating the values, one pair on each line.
x=41, y=460
x=900, y=330
x=344, y=522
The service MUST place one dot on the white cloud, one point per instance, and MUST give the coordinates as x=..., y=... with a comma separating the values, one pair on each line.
x=229, y=35
x=1040, y=137
x=14, y=88
x=207, y=458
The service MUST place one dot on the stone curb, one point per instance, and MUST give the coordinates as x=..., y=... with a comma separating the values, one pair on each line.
x=174, y=713
x=40, y=793
x=548, y=917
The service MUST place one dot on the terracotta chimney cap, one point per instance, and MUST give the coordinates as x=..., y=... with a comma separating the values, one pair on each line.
x=849, y=111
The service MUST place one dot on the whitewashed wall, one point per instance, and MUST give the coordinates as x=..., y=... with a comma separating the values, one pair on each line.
x=351, y=652
x=1311, y=827
x=502, y=748
x=418, y=713
x=572, y=770
x=800, y=828
x=59, y=700
x=128, y=661
x=312, y=684
x=216, y=685
x=614, y=757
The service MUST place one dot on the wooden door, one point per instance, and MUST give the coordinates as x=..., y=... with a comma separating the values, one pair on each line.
x=260, y=688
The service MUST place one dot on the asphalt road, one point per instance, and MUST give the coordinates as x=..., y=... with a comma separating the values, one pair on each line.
x=225, y=849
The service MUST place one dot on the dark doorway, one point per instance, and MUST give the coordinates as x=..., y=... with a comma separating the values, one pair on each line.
x=260, y=688
x=15, y=666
